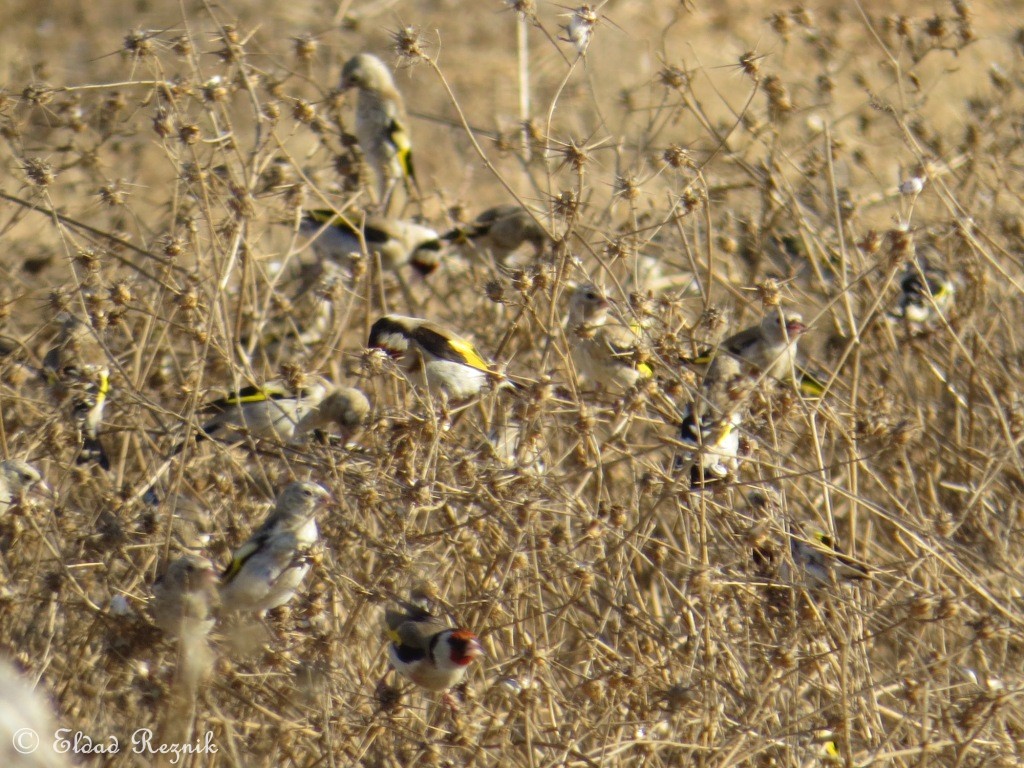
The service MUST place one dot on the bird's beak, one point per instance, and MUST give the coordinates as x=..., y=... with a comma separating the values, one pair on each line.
x=794, y=328
x=475, y=649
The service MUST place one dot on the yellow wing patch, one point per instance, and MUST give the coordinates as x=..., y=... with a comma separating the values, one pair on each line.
x=104, y=388
x=254, y=395
x=468, y=354
x=257, y=397
x=724, y=432
x=810, y=385
x=403, y=147
x=244, y=553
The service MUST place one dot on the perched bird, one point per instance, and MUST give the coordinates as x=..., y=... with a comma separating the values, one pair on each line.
x=345, y=409
x=266, y=571
x=605, y=353
x=27, y=724
x=769, y=347
x=578, y=31
x=709, y=428
x=396, y=242
x=426, y=649
x=821, y=561
x=381, y=123
x=76, y=370
x=183, y=597
x=277, y=411
x=712, y=449
x=501, y=230
x=16, y=479
x=924, y=292
x=434, y=356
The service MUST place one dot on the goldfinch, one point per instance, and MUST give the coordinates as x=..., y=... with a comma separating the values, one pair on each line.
x=924, y=291
x=184, y=596
x=381, y=123
x=76, y=370
x=434, y=356
x=604, y=353
x=501, y=230
x=426, y=649
x=711, y=446
x=710, y=423
x=18, y=478
x=820, y=560
x=276, y=411
x=343, y=411
x=769, y=347
x=267, y=570
x=397, y=242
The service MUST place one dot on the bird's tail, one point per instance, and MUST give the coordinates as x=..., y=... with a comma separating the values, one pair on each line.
x=92, y=452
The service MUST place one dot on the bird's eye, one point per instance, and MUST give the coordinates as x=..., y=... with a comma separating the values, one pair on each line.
x=307, y=492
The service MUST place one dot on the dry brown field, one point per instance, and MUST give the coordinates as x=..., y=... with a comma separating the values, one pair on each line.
x=156, y=160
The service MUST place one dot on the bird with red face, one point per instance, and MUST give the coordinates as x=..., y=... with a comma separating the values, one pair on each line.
x=426, y=649
x=768, y=348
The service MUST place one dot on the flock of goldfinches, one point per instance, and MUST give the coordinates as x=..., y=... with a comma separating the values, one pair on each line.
x=607, y=357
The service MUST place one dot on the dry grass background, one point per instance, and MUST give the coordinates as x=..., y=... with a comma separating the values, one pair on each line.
x=156, y=159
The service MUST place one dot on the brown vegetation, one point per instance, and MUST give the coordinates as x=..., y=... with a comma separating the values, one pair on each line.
x=156, y=167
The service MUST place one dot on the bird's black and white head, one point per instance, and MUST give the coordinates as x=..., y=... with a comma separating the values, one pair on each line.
x=426, y=257
x=391, y=334
x=460, y=648
x=923, y=290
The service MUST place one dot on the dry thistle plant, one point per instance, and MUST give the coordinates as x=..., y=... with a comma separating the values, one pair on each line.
x=680, y=553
